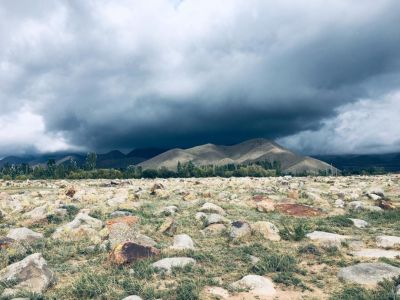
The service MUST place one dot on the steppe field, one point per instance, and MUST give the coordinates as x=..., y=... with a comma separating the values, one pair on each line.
x=208, y=238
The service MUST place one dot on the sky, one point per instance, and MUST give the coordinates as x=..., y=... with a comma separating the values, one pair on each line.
x=317, y=76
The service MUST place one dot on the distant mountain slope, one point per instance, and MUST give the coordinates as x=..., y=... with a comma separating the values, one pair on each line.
x=112, y=159
x=244, y=153
x=357, y=162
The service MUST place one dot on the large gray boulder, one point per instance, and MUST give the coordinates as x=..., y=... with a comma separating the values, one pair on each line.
x=24, y=234
x=31, y=274
x=368, y=274
x=388, y=241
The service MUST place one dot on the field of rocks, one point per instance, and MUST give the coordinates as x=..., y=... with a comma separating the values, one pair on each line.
x=209, y=238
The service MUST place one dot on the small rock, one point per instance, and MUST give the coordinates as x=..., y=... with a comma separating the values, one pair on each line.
x=215, y=219
x=169, y=227
x=266, y=206
x=170, y=210
x=24, y=234
x=133, y=297
x=212, y=208
x=368, y=274
x=31, y=274
x=373, y=208
x=356, y=206
x=388, y=241
x=214, y=230
x=259, y=286
x=359, y=223
x=239, y=230
x=268, y=230
x=385, y=204
x=167, y=264
x=327, y=239
x=129, y=252
x=339, y=203
x=182, y=242
x=377, y=191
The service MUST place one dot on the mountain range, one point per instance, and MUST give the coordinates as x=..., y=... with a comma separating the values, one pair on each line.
x=247, y=152
x=251, y=151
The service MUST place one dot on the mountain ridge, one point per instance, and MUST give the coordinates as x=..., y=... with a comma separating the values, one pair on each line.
x=247, y=152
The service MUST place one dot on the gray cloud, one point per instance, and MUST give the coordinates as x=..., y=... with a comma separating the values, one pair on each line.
x=123, y=74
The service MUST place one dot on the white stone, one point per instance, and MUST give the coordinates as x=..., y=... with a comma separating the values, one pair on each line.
x=24, y=234
x=212, y=208
x=388, y=241
x=258, y=285
x=182, y=242
x=376, y=253
x=166, y=264
x=359, y=223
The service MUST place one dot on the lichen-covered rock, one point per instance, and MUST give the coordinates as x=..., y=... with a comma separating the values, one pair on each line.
x=31, y=274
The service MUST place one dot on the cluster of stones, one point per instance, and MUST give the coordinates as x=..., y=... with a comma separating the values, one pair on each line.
x=121, y=232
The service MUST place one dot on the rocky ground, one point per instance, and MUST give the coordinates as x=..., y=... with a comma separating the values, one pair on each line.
x=212, y=238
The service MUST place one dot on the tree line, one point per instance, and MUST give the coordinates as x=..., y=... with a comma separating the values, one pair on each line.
x=71, y=170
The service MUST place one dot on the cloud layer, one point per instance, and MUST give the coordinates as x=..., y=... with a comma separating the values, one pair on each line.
x=123, y=74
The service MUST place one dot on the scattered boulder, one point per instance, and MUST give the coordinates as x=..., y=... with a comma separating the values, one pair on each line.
x=166, y=264
x=182, y=242
x=239, y=229
x=170, y=210
x=376, y=253
x=30, y=274
x=356, y=206
x=212, y=208
x=215, y=219
x=327, y=239
x=385, y=204
x=268, y=230
x=368, y=274
x=359, y=223
x=24, y=234
x=129, y=252
x=266, y=205
x=82, y=225
x=388, y=241
x=259, y=287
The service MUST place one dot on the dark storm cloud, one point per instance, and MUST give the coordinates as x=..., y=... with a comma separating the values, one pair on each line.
x=123, y=74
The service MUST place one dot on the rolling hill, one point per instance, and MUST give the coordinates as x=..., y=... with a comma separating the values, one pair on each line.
x=248, y=152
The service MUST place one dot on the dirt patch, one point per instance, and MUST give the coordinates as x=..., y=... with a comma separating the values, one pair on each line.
x=298, y=210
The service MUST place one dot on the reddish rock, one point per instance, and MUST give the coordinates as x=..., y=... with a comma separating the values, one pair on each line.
x=298, y=210
x=129, y=220
x=70, y=192
x=129, y=252
x=385, y=204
